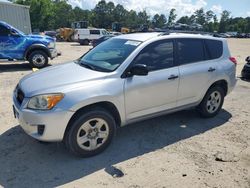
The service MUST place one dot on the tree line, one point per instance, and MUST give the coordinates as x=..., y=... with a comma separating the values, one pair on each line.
x=53, y=14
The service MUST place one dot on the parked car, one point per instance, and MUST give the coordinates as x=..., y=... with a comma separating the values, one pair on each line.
x=241, y=35
x=196, y=27
x=51, y=34
x=96, y=42
x=125, y=79
x=15, y=45
x=220, y=35
x=85, y=36
x=245, y=73
x=179, y=26
x=115, y=33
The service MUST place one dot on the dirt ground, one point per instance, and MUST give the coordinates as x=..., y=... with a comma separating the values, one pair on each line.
x=176, y=150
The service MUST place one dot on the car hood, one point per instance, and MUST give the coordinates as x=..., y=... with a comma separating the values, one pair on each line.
x=40, y=37
x=58, y=78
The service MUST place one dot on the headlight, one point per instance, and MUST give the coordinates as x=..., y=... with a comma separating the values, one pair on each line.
x=44, y=102
x=51, y=45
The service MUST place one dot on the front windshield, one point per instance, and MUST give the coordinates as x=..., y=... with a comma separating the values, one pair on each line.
x=109, y=55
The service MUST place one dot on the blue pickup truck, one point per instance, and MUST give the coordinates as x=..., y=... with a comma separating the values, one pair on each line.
x=15, y=45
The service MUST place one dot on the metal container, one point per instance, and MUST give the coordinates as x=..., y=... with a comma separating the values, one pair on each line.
x=16, y=15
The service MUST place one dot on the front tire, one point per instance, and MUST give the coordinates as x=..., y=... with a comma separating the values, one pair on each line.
x=212, y=102
x=90, y=133
x=38, y=59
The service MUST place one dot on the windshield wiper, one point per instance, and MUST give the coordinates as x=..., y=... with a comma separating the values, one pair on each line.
x=87, y=66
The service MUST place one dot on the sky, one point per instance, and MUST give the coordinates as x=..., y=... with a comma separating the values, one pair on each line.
x=238, y=8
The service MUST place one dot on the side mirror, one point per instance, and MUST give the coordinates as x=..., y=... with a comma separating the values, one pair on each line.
x=14, y=33
x=138, y=70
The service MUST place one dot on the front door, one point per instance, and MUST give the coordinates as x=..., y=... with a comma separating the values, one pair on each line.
x=157, y=91
x=11, y=44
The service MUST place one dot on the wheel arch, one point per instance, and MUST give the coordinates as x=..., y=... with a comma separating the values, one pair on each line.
x=36, y=47
x=109, y=106
x=222, y=83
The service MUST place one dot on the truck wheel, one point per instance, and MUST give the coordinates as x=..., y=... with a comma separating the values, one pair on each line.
x=38, y=59
x=84, y=42
x=90, y=133
x=212, y=102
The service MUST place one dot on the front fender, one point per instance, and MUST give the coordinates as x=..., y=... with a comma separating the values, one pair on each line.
x=118, y=102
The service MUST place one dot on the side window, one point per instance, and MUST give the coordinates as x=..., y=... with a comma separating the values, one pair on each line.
x=214, y=48
x=158, y=55
x=4, y=31
x=190, y=51
x=95, y=32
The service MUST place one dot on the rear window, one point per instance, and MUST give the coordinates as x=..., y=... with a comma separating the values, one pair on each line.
x=95, y=32
x=214, y=48
x=190, y=50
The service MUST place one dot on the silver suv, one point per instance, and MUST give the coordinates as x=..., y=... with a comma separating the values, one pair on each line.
x=123, y=80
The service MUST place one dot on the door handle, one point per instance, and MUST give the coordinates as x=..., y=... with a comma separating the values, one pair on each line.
x=172, y=77
x=211, y=69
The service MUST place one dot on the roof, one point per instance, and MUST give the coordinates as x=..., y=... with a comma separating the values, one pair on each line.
x=13, y=4
x=138, y=36
x=146, y=36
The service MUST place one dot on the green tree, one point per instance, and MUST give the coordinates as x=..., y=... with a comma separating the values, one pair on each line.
x=200, y=16
x=172, y=16
x=225, y=16
x=63, y=14
x=159, y=20
x=120, y=14
x=131, y=20
x=142, y=18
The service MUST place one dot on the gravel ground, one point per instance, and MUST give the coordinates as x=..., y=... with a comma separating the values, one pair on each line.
x=176, y=150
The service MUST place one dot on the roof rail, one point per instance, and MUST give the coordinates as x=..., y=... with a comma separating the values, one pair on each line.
x=184, y=31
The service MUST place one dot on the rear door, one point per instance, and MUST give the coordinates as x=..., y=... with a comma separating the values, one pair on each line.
x=157, y=91
x=196, y=70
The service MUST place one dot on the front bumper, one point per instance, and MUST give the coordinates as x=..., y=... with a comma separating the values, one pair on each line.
x=53, y=121
x=53, y=53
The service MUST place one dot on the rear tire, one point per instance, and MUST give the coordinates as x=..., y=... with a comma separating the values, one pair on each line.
x=90, y=133
x=84, y=42
x=212, y=102
x=38, y=59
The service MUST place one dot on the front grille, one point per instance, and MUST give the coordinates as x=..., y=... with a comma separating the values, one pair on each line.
x=19, y=95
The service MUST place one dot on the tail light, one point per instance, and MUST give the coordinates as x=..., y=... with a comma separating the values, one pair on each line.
x=233, y=59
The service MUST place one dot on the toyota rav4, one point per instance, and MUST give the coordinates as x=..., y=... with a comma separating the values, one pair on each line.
x=123, y=80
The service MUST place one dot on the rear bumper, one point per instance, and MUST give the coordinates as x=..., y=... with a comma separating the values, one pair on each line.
x=232, y=85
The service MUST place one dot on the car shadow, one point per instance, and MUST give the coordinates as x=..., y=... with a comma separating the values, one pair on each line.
x=77, y=44
x=14, y=66
x=25, y=161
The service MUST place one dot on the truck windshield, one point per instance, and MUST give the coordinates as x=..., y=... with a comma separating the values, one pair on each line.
x=109, y=55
